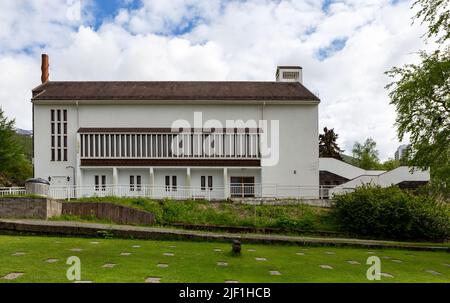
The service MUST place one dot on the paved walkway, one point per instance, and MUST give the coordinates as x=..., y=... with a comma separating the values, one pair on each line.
x=70, y=228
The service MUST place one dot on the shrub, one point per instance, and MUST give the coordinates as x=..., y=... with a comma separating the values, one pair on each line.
x=391, y=213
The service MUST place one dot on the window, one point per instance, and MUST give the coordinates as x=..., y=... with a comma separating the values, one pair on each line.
x=58, y=127
x=138, y=183
x=167, y=183
x=203, y=182
x=174, y=183
x=210, y=182
x=97, y=179
x=131, y=183
x=173, y=186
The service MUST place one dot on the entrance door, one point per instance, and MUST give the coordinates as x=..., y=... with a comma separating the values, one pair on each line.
x=242, y=187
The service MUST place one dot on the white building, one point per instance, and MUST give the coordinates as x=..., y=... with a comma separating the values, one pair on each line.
x=177, y=139
x=343, y=177
x=401, y=151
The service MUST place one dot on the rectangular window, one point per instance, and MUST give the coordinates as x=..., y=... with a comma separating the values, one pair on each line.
x=174, y=183
x=131, y=183
x=97, y=182
x=138, y=183
x=203, y=182
x=210, y=182
x=103, y=183
x=167, y=183
x=58, y=128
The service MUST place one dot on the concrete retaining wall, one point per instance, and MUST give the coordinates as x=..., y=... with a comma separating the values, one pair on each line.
x=272, y=201
x=109, y=211
x=42, y=208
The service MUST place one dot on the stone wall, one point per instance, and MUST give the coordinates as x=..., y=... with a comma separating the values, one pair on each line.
x=109, y=211
x=272, y=201
x=41, y=208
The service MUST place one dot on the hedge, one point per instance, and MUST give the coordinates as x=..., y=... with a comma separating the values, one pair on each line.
x=391, y=213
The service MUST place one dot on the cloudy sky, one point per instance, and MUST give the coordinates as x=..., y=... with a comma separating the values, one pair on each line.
x=344, y=47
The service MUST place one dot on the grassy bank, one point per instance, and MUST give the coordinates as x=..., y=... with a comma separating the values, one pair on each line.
x=302, y=217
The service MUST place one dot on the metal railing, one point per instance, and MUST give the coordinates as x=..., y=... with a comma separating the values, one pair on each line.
x=12, y=191
x=236, y=191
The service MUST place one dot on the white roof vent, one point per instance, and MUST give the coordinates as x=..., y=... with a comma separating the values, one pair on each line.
x=289, y=74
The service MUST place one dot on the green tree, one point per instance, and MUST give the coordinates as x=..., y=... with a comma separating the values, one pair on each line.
x=390, y=164
x=14, y=166
x=328, y=146
x=366, y=155
x=421, y=95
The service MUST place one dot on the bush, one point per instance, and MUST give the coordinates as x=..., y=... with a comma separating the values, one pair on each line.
x=391, y=213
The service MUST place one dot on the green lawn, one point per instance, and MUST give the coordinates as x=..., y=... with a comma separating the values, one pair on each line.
x=197, y=262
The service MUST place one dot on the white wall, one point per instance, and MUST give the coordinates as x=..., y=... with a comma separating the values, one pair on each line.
x=299, y=150
x=44, y=167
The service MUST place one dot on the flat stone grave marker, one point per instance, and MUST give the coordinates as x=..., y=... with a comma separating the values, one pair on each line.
x=275, y=273
x=300, y=254
x=433, y=272
x=57, y=242
x=445, y=264
x=217, y=249
x=397, y=261
x=153, y=280
x=326, y=266
x=371, y=252
x=125, y=254
x=95, y=242
x=76, y=249
x=353, y=262
x=222, y=263
x=386, y=257
x=136, y=246
x=231, y=281
x=51, y=260
x=83, y=281
x=330, y=252
x=162, y=265
x=109, y=265
x=172, y=246
x=168, y=254
x=18, y=253
x=260, y=259
x=386, y=275
x=13, y=275
x=251, y=250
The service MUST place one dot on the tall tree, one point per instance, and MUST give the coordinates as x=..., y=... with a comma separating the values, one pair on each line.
x=366, y=155
x=328, y=146
x=421, y=95
x=14, y=167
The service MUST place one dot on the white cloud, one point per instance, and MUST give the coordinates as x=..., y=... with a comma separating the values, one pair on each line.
x=233, y=40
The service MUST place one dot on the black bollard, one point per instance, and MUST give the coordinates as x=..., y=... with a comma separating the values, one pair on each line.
x=236, y=247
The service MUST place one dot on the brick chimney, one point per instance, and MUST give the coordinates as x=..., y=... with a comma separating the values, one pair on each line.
x=44, y=68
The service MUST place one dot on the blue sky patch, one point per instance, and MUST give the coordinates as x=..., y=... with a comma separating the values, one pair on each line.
x=108, y=9
x=335, y=46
